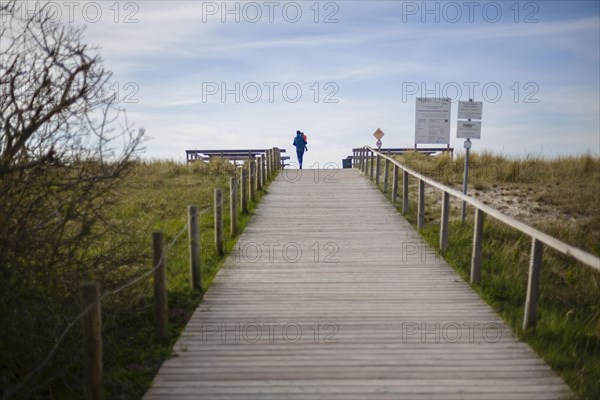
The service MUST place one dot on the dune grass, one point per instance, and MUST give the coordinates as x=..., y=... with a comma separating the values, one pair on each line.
x=567, y=335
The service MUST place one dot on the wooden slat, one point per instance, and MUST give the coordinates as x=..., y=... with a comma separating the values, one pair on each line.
x=350, y=303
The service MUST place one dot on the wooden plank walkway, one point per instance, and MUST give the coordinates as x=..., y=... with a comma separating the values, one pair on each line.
x=331, y=294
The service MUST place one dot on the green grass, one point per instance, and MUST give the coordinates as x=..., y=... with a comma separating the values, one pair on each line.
x=567, y=335
x=155, y=197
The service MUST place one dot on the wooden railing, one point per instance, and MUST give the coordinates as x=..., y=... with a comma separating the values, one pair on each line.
x=368, y=160
x=261, y=155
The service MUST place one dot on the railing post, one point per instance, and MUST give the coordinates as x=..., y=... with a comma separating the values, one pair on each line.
x=444, y=221
x=194, y=238
x=533, y=284
x=233, y=205
x=263, y=166
x=377, y=169
x=244, y=190
x=477, y=246
x=362, y=160
x=219, y=221
x=161, y=308
x=421, y=207
x=395, y=184
x=258, y=175
x=386, y=175
x=268, y=164
x=367, y=162
x=404, y=192
x=275, y=161
x=92, y=341
x=253, y=181
x=372, y=166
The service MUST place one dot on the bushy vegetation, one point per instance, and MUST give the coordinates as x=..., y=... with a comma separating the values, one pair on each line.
x=153, y=196
x=567, y=335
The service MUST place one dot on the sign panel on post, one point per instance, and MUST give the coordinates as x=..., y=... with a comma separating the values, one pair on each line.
x=470, y=109
x=432, y=120
x=468, y=130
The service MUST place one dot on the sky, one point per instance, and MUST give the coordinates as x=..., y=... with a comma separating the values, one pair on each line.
x=215, y=75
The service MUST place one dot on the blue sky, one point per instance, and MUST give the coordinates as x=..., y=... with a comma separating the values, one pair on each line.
x=359, y=66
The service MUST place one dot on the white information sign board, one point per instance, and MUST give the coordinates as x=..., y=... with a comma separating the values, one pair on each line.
x=432, y=120
x=468, y=130
x=470, y=109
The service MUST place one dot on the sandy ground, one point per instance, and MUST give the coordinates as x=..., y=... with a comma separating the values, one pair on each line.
x=516, y=202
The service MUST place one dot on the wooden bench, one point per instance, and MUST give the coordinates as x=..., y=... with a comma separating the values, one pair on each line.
x=231, y=155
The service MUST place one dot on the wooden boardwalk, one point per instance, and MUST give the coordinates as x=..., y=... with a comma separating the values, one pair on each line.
x=331, y=294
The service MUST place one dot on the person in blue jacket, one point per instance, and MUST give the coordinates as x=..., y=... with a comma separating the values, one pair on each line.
x=300, y=146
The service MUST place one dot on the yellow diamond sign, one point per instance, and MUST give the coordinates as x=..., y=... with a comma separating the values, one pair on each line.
x=378, y=134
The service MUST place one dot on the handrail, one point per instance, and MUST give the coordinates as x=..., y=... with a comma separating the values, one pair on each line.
x=562, y=247
x=366, y=163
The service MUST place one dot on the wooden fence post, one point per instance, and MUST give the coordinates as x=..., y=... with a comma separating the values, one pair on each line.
x=361, y=160
x=277, y=159
x=444, y=221
x=395, y=184
x=386, y=175
x=533, y=284
x=244, y=190
x=194, y=237
x=361, y=154
x=219, y=221
x=263, y=174
x=404, y=192
x=377, y=170
x=92, y=341
x=372, y=167
x=367, y=162
x=258, y=175
x=477, y=246
x=421, y=207
x=161, y=308
x=233, y=205
x=268, y=164
x=253, y=181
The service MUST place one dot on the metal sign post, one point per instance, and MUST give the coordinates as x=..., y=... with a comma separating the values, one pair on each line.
x=468, y=130
x=466, y=178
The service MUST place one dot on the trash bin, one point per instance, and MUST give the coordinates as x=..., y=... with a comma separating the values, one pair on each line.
x=347, y=163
